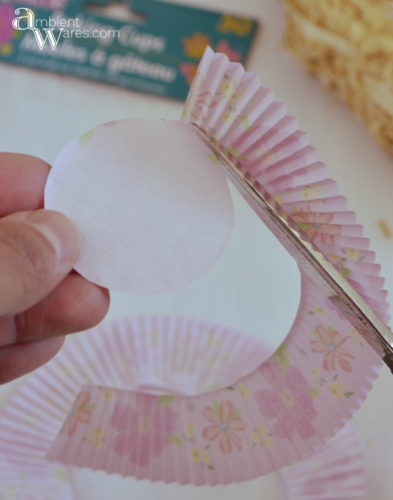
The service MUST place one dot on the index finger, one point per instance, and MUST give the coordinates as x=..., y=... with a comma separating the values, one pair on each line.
x=22, y=182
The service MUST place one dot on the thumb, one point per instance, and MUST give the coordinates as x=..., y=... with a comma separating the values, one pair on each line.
x=37, y=250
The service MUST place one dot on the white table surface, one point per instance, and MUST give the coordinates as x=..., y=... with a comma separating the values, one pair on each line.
x=41, y=112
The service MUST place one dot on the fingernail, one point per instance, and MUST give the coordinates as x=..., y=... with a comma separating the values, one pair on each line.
x=58, y=229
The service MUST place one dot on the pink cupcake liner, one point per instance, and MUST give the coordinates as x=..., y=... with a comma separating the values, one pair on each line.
x=145, y=353
x=336, y=472
x=155, y=354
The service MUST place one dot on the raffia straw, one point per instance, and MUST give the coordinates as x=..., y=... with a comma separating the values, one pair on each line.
x=348, y=46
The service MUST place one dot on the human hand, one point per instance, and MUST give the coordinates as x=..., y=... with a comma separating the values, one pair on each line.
x=41, y=298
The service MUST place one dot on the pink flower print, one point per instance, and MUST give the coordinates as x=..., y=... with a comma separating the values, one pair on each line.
x=225, y=48
x=317, y=224
x=289, y=402
x=142, y=431
x=225, y=425
x=329, y=342
x=80, y=413
x=6, y=17
x=202, y=103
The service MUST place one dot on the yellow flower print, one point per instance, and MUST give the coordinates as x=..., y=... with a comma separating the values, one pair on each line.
x=245, y=121
x=337, y=389
x=195, y=45
x=313, y=392
x=344, y=271
x=235, y=153
x=255, y=437
x=96, y=437
x=206, y=458
x=357, y=338
x=226, y=87
x=278, y=199
x=319, y=310
x=259, y=431
x=214, y=158
x=200, y=456
x=334, y=258
x=107, y=394
x=190, y=430
x=316, y=371
x=309, y=193
x=243, y=391
x=266, y=442
x=235, y=97
x=352, y=253
x=228, y=116
x=165, y=400
x=196, y=455
x=281, y=356
x=172, y=438
x=261, y=436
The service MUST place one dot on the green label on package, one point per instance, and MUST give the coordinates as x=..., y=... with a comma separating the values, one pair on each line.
x=145, y=45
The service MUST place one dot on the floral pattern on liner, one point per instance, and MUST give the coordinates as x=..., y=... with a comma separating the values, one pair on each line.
x=323, y=368
x=317, y=226
x=226, y=424
x=288, y=402
x=282, y=404
x=80, y=413
x=330, y=343
x=135, y=425
x=273, y=415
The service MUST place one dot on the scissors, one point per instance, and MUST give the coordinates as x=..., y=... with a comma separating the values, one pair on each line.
x=309, y=259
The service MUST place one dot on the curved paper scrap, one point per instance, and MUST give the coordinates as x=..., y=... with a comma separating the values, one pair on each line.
x=150, y=353
x=152, y=207
x=337, y=471
x=320, y=375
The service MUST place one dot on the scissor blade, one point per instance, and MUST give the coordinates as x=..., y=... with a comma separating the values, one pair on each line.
x=310, y=260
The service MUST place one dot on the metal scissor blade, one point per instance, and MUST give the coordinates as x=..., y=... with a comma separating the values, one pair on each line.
x=310, y=260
